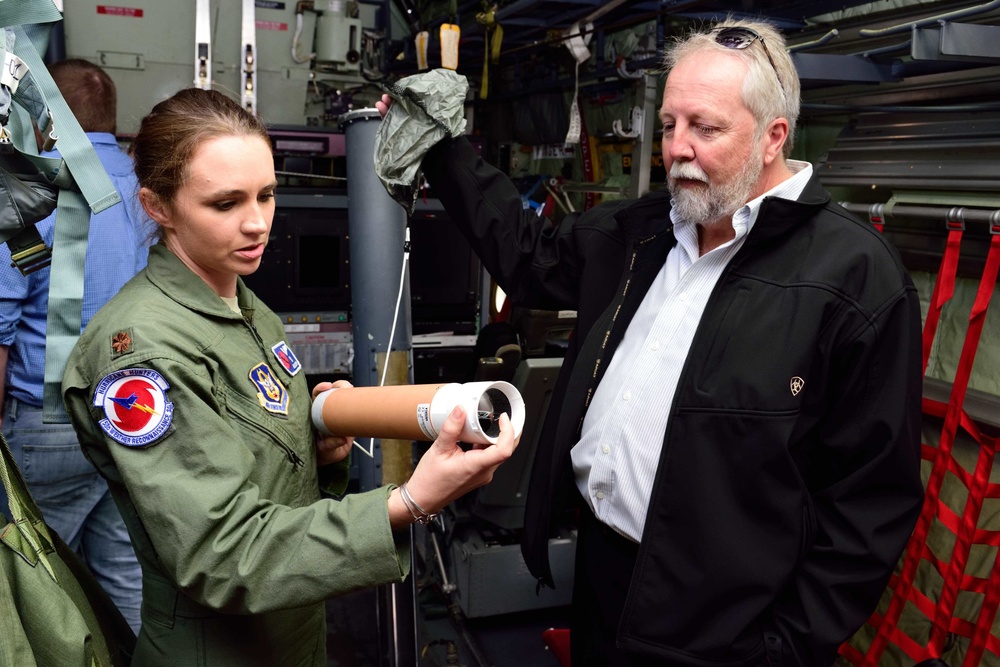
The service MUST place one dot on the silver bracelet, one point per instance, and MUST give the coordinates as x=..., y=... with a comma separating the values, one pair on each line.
x=419, y=514
x=409, y=508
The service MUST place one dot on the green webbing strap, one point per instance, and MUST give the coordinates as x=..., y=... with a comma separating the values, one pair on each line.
x=31, y=539
x=22, y=12
x=65, y=311
x=73, y=144
x=27, y=94
x=39, y=95
x=23, y=137
x=27, y=21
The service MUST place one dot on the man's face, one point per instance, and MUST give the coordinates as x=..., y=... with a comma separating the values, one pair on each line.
x=713, y=161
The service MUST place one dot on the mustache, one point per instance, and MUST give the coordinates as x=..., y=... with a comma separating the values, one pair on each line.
x=687, y=171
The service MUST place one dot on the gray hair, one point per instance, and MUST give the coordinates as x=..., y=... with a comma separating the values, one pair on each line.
x=765, y=100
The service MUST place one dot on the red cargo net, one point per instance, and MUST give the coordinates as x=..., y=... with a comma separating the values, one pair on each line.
x=983, y=644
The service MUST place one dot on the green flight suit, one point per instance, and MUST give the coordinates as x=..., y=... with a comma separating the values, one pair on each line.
x=206, y=442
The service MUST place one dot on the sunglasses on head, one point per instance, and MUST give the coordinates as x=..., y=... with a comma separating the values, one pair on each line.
x=741, y=38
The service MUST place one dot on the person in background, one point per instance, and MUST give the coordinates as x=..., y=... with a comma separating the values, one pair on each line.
x=72, y=496
x=190, y=403
x=737, y=416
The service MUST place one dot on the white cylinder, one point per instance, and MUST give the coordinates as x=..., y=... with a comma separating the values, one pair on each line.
x=483, y=403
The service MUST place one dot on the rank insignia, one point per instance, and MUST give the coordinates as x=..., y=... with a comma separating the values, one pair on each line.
x=286, y=358
x=270, y=392
x=121, y=343
x=136, y=410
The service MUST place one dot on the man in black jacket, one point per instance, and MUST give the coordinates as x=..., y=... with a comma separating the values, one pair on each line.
x=737, y=417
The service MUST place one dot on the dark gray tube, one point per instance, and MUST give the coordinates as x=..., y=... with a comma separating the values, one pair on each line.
x=377, y=227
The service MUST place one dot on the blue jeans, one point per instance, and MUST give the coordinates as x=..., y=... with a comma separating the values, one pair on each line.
x=75, y=502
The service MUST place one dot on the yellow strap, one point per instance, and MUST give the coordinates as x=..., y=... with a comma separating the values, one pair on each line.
x=495, y=44
x=493, y=37
x=484, y=86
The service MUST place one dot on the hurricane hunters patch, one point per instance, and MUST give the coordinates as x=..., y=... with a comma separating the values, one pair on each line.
x=286, y=358
x=270, y=392
x=136, y=410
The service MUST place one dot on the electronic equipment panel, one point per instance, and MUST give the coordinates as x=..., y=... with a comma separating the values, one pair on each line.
x=501, y=502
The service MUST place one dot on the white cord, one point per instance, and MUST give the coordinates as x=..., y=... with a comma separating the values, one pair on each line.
x=392, y=332
x=399, y=298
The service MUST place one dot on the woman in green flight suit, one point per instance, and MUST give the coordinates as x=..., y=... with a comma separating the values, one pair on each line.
x=187, y=399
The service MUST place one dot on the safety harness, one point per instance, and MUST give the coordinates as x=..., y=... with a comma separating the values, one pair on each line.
x=83, y=185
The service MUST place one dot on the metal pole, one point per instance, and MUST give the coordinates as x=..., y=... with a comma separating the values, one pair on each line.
x=377, y=227
x=642, y=150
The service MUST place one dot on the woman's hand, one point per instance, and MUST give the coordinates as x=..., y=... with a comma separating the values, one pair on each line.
x=446, y=472
x=331, y=448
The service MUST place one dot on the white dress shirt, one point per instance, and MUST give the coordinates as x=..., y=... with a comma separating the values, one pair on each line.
x=616, y=459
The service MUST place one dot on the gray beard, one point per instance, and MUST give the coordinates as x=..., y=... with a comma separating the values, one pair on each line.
x=715, y=203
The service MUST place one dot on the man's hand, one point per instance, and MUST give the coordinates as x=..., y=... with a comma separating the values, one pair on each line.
x=383, y=105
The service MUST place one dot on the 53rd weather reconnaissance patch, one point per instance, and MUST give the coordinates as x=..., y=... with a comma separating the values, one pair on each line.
x=135, y=405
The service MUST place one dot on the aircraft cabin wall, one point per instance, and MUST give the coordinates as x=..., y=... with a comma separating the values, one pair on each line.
x=899, y=118
x=149, y=49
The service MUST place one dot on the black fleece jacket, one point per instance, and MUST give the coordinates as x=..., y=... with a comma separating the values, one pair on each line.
x=789, y=480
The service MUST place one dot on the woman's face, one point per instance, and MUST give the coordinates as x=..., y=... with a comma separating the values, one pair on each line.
x=219, y=220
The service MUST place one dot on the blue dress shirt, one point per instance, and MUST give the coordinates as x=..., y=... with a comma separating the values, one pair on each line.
x=117, y=247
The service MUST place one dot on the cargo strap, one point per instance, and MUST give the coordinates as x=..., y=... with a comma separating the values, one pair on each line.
x=492, y=40
x=84, y=187
x=27, y=535
x=248, y=58
x=203, y=45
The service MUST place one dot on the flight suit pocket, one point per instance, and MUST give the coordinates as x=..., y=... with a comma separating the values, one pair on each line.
x=256, y=426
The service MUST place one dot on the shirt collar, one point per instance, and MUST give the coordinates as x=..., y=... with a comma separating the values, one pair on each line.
x=176, y=280
x=787, y=189
x=105, y=138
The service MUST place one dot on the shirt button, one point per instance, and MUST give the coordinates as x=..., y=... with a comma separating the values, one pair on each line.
x=683, y=296
x=599, y=495
x=655, y=345
x=627, y=396
x=605, y=449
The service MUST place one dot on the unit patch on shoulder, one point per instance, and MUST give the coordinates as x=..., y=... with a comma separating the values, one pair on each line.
x=270, y=392
x=136, y=409
x=286, y=358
